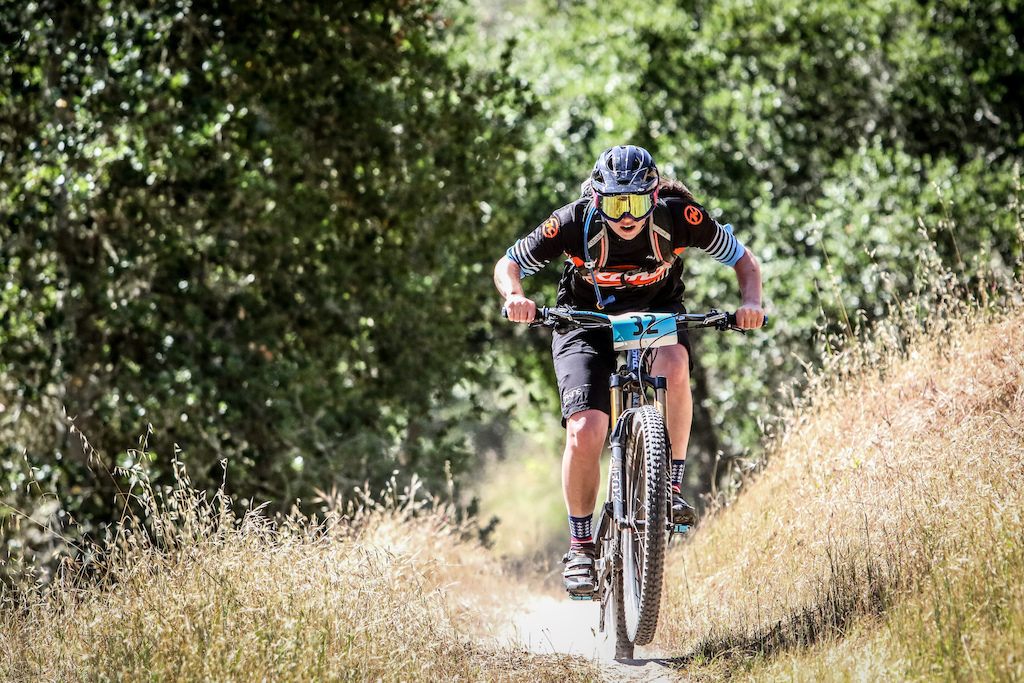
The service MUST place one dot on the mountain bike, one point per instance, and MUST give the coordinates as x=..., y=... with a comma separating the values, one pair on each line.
x=634, y=525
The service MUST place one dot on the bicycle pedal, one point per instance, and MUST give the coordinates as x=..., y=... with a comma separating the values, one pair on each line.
x=581, y=597
x=680, y=529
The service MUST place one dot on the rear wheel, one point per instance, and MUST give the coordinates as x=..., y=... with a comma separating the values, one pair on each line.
x=645, y=492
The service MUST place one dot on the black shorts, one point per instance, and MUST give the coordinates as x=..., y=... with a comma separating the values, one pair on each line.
x=584, y=360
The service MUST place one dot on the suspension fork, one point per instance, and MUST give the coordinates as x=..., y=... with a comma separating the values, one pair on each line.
x=616, y=382
x=616, y=445
x=615, y=477
x=660, y=393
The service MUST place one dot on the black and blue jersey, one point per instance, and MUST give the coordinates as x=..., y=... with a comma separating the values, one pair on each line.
x=640, y=277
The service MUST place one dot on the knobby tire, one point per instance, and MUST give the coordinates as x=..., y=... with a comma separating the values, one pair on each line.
x=613, y=616
x=645, y=493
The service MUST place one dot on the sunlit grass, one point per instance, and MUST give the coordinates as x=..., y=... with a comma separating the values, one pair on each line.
x=883, y=539
x=187, y=590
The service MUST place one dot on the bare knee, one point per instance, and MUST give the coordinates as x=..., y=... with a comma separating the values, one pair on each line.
x=674, y=364
x=585, y=432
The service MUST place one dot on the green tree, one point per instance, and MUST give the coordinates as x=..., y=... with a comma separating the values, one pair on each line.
x=828, y=132
x=824, y=132
x=255, y=226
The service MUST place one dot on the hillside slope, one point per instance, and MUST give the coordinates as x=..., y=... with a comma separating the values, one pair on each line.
x=883, y=540
x=196, y=593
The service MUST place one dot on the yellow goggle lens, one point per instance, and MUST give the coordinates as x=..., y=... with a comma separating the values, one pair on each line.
x=618, y=205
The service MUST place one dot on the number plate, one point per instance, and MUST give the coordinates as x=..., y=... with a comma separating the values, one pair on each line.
x=643, y=330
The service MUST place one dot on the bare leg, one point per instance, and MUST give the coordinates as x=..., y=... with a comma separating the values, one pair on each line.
x=581, y=477
x=674, y=363
x=585, y=433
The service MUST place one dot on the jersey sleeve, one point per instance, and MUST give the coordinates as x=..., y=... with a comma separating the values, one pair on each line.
x=539, y=248
x=704, y=232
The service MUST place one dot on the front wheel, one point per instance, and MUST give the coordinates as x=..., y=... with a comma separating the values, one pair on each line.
x=614, y=618
x=645, y=493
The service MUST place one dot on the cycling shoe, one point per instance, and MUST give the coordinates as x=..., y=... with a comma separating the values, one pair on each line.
x=681, y=513
x=579, y=576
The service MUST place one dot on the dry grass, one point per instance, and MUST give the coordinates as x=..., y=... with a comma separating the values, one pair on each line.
x=197, y=593
x=884, y=539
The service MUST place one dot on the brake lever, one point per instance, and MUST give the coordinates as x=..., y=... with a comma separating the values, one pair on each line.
x=723, y=325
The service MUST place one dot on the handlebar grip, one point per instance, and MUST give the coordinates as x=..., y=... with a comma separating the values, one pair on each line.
x=536, y=316
x=732, y=320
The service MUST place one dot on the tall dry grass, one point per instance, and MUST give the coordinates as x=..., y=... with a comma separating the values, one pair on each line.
x=884, y=538
x=184, y=589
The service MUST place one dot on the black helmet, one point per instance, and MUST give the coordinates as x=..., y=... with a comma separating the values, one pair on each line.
x=626, y=169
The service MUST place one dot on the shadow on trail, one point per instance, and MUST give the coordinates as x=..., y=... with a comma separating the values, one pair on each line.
x=640, y=662
x=853, y=592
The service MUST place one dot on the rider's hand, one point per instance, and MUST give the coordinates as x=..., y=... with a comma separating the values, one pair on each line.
x=519, y=309
x=749, y=317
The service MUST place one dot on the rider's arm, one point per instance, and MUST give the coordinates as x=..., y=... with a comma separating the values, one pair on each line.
x=701, y=231
x=526, y=257
x=508, y=280
x=750, y=315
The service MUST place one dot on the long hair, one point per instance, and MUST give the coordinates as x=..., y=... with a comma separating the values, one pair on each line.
x=669, y=187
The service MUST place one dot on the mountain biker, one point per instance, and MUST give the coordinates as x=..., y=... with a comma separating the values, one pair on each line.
x=623, y=237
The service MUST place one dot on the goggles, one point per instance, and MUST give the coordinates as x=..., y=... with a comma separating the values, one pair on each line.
x=616, y=206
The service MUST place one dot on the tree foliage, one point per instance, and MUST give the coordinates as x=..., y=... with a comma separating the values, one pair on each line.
x=829, y=134
x=837, y=139
x=257, y=227
x=266, y=229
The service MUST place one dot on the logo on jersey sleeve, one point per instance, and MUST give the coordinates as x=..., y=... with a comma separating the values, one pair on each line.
x=694, y=216
x=550, y=228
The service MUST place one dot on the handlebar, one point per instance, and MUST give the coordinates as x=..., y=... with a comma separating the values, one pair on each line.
x=570, y=320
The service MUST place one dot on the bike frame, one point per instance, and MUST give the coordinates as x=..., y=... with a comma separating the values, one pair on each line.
x=628, y=387
x=631, y=387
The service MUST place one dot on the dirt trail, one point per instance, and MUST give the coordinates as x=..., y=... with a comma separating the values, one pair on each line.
x=549, y=624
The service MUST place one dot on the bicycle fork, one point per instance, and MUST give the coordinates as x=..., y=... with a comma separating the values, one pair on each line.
x=612, y=521
x=615, y=467
x=613, y=518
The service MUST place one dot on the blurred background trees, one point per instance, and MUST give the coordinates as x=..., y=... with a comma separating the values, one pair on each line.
x=261, y=230
x=266, y=230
